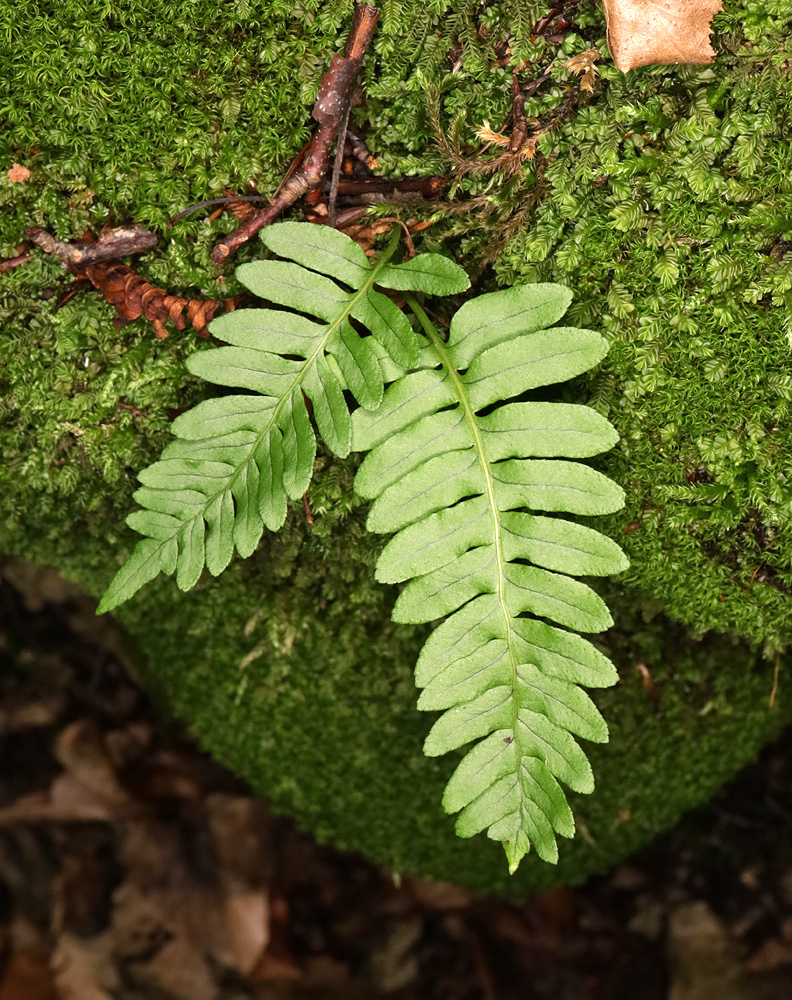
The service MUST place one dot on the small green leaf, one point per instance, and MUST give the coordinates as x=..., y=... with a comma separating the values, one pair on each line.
x=560, y=545
x=149, y=558
x=320, y=248
x=499, y=316
x=191, y=556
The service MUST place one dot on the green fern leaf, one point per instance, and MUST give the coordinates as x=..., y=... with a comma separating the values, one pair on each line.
x=456, y=468
x=238, y=459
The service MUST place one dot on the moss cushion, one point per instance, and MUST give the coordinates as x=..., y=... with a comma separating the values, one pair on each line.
x=664, y=199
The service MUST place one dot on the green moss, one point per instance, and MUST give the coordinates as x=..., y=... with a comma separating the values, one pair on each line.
x=665, y=203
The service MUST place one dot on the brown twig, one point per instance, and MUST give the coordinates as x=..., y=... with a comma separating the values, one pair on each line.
x=407, y=234
x=214, y=201
x=519, y=134
x=532, y=86
x=361, y=151
x=429, y=188
x=134, y=410
x=648, y=682
x=559, y=12
x=774, y=692
x=97, y=261
x=123, y=241
x=337, y=163
x=74, y=288
x=11, y=262
x=294, y=166
x=330, y=110
x=543, y=23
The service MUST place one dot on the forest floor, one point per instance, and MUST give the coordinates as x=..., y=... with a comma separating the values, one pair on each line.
x=132, y=867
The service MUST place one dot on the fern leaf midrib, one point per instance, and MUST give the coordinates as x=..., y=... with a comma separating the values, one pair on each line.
x=331, y=329
x=470, y=417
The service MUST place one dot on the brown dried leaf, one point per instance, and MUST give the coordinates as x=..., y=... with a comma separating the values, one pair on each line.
x=178, y=970
x=661, y=32
x=163, y=933
x=704, y=962
x=394, y=964
x=27, y=978
x=16, y=714
x=276, y=961
x=17, y=173
x=67, y=800
x=80, y=748
x=439, y=895
x=528, y=149
x=84, y=970
x=771, y=955
x=247, y=922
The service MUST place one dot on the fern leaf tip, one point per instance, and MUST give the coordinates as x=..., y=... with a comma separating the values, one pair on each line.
x=104, y=606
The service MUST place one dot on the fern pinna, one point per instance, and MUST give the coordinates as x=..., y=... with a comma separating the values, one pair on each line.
x=239, y=458
x=456, y=472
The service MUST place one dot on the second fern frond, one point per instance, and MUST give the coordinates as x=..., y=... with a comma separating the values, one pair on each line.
x=457, y=472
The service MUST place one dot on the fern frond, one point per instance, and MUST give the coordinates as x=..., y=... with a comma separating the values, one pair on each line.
x=456, y=469
x=238, y=459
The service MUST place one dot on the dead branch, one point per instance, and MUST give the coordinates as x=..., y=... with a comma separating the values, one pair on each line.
x=542, y=24
x=210, y=202
x=123, y=241
x=11, y=262
x=346, y=217
x=407, y=234
x=428, y=188
x=97, y=261
x=74, y=289
x=519, y=134
x=531, y=87
x=361, y=151
x=330, y=111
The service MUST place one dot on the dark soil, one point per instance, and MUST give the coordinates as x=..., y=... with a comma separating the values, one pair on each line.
x=133, y=867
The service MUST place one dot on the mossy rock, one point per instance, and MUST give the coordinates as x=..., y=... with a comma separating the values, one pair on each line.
x=290, y=672
x=664, y=200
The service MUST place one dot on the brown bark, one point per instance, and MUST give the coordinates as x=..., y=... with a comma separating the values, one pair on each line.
x=123, y=241
x=97, y=261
